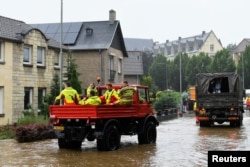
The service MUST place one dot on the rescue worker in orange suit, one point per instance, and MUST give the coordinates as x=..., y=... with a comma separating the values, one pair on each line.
x=111, y=95
x=91, y=100
x=69, y=95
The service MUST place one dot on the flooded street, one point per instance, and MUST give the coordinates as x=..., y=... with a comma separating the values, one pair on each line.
x=180, y=142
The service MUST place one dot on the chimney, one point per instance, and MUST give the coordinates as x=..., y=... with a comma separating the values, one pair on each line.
x=203, y=33
x=89, y=31
x=112, y=16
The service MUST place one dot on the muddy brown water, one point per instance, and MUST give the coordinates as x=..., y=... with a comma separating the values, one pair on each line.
x=180, y=142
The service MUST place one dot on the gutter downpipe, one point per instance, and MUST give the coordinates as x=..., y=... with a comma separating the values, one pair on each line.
x=101, y=65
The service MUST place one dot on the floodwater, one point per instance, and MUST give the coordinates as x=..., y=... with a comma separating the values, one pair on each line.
x=180, y=142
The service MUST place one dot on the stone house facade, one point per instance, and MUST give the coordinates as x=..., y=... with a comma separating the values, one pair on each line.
x=28, y=62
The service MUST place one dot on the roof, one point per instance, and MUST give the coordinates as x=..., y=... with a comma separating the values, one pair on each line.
x=135, y=44
x=182, y=42
x=86, y=35
x=242, y=45
x=14, y=30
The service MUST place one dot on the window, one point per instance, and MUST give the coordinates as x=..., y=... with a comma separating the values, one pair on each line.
x=1, y=100
x=137, y=57
x=40, y=56
x=111, y=69
x=41, y=94
x=28, y=95
x=1, y=52
x=57, y=60
x=211, y=47
x=27, y=54
x=111, y=62
x=120, y=66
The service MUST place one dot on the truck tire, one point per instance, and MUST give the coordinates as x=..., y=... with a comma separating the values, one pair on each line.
x=111, y=139
x=62, y=143
x=75, y=144
x=204, y=124
x=149, y=134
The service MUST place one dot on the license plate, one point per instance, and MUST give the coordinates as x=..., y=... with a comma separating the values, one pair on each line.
x=58, y=127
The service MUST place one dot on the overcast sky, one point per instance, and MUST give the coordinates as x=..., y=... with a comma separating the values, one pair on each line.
x=159, y=20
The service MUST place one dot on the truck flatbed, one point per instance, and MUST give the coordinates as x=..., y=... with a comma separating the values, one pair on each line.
x=100, y=111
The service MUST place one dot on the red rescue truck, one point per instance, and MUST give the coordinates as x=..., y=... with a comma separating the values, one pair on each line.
x=106, y=123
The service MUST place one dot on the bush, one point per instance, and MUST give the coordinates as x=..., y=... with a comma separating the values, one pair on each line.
x=166, y=100
x=32, y=127
x=34, y=132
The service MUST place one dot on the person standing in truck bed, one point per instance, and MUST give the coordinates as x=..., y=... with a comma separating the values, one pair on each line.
x=218, y=85
x=69, y=95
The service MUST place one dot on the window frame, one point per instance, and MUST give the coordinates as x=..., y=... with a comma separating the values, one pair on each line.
x=42, y=51
x=119, y=65
x=1, y=100
x=1, y=51
x=57, y=60
x=111, y=62
x=29, y=96
x=41, y=94
x=29, y=47
x=211, y=47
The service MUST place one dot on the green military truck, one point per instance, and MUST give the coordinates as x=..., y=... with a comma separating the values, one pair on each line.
x=219, y=98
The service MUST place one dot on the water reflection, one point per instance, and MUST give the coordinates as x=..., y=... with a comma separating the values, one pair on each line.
x=180, y=142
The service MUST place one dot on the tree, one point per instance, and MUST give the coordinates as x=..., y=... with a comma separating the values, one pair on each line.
x=231, y=47
x=223, y=62
x=147, y=80
x=147, y=59
x=157, y=71
x=54, y=89
x=174, y=71
x=197, y=64
x=72, y=74
x=244, y=65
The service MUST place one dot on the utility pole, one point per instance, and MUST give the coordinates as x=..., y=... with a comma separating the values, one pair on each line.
x=61, y=55
x=180, y=84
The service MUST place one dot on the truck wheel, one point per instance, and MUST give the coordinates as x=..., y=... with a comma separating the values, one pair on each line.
x=204, y=124
x=233, y=123
x=62, y=143
x=239, y=123
x=149, y=134
x=75, y=144
x=111, y=139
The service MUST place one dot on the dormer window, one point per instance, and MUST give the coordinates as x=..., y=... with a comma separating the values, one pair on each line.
x=89, y=31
